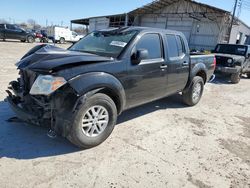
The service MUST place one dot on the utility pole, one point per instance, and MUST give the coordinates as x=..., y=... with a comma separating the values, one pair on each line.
x=231, y=25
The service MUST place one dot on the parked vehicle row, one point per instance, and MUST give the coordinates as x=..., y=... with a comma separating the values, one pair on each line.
x=56, y=34
x=80, y=92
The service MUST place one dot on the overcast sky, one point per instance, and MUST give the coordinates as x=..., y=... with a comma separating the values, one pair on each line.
x=62, y=11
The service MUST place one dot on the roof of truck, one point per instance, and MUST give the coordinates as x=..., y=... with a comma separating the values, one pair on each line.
x=147, y=29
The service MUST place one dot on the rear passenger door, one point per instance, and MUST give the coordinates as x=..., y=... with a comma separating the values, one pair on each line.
x=178, y=63
x=147, y=81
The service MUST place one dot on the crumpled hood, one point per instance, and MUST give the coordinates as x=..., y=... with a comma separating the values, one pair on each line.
x=231, y=56
x=48, y=58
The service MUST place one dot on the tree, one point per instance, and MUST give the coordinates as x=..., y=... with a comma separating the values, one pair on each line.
x=3, y=21
x=80, y=30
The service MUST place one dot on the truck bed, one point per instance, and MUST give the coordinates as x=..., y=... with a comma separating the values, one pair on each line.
x=207, y=60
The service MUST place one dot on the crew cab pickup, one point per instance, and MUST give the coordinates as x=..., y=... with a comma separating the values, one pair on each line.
x=79, y=92
x=12, y=31
x=233, y=60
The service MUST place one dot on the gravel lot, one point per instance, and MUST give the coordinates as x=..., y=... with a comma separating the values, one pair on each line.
x=161, y=144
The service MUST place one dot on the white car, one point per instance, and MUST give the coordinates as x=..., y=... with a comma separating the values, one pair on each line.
x=62, y=34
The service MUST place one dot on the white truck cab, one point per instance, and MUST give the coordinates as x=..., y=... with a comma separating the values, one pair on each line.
x=62, y=34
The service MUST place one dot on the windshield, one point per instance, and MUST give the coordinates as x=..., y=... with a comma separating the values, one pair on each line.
x=105, y=43
x=231, y=49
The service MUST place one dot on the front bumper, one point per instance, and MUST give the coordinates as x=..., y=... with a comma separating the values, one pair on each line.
x=20, y=112
x=229, y=70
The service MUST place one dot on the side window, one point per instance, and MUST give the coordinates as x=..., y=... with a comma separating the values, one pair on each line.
x=173, y=50
x=151, y=42
x=181, y=46
x=12, y=27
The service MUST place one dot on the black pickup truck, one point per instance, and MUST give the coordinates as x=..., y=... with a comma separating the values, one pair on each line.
x=79, y=92
x=233, y=60
x=12, y=31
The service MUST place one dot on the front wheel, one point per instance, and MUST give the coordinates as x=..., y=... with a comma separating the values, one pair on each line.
x=94, y=121
x=194, y=93
x=235, y=78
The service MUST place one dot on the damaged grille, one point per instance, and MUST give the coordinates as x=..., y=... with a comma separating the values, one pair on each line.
x=222, y=61
x=27, y=78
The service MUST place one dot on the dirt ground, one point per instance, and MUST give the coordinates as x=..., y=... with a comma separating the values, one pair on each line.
x=161, y=144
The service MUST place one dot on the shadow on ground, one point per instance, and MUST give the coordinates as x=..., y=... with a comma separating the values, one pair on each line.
x=220, y=79
x=22, y=141
x=174, y=101
x=225, y=79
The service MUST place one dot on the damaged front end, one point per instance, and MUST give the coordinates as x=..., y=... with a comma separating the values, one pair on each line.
x=42, y=100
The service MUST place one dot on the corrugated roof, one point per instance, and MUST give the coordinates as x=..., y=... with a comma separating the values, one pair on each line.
x=158, y=4
x=150, y=8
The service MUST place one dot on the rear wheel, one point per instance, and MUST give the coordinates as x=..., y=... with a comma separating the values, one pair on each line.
x=235, y=78
x=30, y=39
x=194, y=93
x=94, y=121
x=62, y=40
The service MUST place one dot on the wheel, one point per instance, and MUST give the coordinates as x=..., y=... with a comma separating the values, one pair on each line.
x=194, y=93
x=248, y=75
x=235, y=78
x=94, y=121
x=62, y=40
x=30, y=39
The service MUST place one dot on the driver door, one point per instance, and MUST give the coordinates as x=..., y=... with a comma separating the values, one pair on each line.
x=147, y=81
x=13, y=32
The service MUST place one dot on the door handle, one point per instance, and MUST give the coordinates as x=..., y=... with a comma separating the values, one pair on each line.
x=184, y=63
x=163, y=66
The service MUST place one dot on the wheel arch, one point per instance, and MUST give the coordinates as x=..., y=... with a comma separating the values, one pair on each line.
x=198, y=70
x=89, y=84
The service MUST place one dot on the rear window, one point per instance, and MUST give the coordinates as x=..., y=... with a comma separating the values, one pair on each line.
x=231, y=49
x=173, y=49
x=181, y=46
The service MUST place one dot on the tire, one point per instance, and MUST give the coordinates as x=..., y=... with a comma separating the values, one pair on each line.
x=84, y=137
x=194, y=93
x=248, y=75
x=62, y=40
x=30, y=39
x=235, y=78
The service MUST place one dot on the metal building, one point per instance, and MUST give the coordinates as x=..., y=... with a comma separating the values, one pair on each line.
x=204, y=26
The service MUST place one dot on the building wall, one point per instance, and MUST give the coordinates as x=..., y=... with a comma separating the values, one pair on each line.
x=98, y=23
x=201, y=33
x=238, y=30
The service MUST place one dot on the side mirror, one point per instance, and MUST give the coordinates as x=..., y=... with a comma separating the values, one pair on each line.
x=139, y=55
